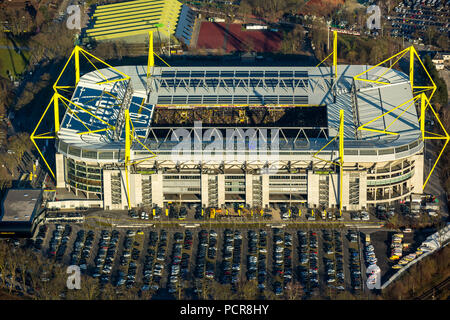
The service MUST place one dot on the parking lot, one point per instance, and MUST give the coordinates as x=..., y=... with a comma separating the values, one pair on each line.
x=183, y=262
x=412, y=17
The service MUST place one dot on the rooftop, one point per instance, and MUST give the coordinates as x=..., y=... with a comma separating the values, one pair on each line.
x=19, y=205
x=228, y=87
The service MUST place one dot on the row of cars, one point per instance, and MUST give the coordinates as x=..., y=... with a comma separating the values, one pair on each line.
x=287, y=213
x=82, y=249
x=357, y=216
x=58, y=242
x=40, y=237
x=154, y=260
x=355, y=262
x=205, y=263
x=334, y=261
x=257, y=257
x=282, y=260
x=128, y=260
x=106, y=252
x=371, y=259
x=308, y=259
x=179, y=259
x=231, y=264
x=144, y=215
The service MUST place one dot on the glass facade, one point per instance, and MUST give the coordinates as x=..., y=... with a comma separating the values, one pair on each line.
x=84, y=177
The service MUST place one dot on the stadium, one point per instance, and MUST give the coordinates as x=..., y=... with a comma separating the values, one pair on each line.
x=345, y=136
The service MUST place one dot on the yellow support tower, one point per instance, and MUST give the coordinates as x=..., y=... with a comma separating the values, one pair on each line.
x=89, y=58
x=340, y=163
x=127, y=152
x=33, y=135
x=151, y=58
x=334, y=54
x=341, y=157
x=57, y=99
x=420, y=94
x=412, y=55
x=424, y=104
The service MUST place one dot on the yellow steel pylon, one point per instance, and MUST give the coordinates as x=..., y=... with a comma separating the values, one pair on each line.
x=412, y=55
x=341, y=157
x=340, y=136
x=152, y=54
x=151, y=58
x=334, y=54
x=130, y=136
x=420, y=94
x=89, y=58
x=424, y=104
x=57, y=98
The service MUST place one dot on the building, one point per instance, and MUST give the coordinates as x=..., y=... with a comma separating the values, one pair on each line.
x=256, y=136
x=131, y=21
x=22, y=211
x=438, y=61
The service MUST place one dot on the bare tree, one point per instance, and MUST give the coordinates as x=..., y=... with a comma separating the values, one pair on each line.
x=294, y=291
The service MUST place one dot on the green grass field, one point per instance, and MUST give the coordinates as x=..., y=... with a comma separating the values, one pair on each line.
x=10, y=59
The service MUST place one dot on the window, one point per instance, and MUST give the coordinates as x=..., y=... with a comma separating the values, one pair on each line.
x=90, y=154
x=301, y=99
x=271, y=74
x=74, y=151
x=385, y=151
x=63, y=146
x=286, y=74
x=401, y=149
x=106, y=155
x=350, y=152
x=367, y=152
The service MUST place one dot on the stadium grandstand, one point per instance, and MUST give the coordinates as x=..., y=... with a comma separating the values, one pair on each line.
x=346, y=137
x=130, y=21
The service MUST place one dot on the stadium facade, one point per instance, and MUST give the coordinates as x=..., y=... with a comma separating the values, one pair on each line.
x=282, y=123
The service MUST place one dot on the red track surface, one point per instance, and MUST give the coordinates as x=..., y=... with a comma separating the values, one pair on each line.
x=232, y=37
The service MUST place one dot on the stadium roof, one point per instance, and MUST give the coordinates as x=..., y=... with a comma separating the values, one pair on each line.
x=254, y=86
